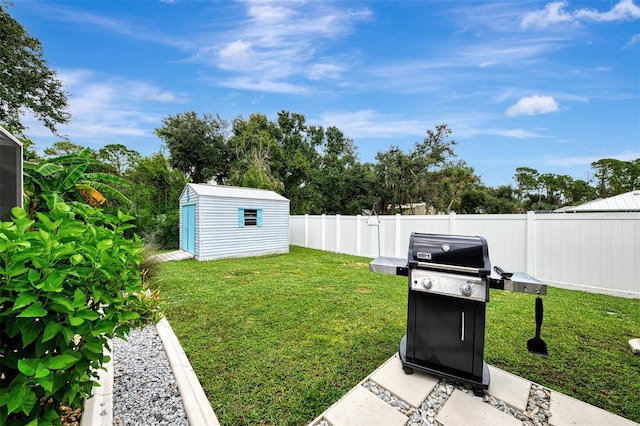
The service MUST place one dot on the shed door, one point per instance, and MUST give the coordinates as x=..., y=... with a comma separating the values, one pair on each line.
x=189, y=228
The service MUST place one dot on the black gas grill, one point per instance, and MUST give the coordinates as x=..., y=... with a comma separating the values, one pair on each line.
x=449, y=281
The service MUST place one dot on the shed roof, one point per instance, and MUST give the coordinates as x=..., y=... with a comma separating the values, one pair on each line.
x=627, y=202
x=6, y=136
x=234, y=192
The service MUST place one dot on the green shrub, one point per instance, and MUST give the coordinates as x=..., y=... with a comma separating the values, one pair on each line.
x=70, y=280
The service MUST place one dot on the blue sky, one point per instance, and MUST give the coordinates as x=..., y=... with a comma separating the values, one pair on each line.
x=552, y=85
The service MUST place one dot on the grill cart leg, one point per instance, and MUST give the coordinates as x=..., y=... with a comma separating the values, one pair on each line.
x=403, y=355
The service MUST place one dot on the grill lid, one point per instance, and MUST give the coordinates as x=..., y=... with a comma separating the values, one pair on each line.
x=455, y=252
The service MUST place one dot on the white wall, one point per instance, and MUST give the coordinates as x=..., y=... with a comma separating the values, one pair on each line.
x=598, y=252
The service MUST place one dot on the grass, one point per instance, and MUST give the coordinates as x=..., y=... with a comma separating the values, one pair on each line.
x=277, y=339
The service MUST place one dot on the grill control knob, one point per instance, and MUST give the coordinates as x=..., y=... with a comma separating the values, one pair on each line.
x=427, y=283
x=466, y=289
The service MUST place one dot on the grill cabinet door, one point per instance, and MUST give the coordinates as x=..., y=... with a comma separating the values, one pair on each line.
x=446, y=333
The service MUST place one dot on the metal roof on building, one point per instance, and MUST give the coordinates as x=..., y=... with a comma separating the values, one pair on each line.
x=235, y=192
x=6, y=136
x=627, y=202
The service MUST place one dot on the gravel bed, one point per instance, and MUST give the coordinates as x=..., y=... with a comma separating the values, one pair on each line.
x=144, y=389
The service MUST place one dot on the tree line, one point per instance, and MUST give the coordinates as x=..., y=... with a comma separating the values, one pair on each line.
x=318, y=170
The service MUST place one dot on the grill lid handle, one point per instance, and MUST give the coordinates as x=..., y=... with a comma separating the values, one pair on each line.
x=502, y=273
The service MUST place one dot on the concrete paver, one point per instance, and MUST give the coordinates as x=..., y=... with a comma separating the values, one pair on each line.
x=463, y=410
x=173, y=255
x=634, y=344
x=412, y=388
x=511, y=389
x=361, y=407
x=566, y=411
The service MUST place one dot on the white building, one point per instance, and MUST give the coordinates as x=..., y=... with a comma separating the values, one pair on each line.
x=627, y=202
x=10, y=174
x=224, y=221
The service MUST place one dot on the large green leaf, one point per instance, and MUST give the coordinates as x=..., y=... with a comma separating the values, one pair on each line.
x=63, y=361
x=53, y=282
x=33, y=311
x=47, y=169
x=28, y=366
x=30, y=332
x=107, y=178
x=73, y=174
x=24, y=299
x=21, y=398
x=105, y=189
x=51, y=330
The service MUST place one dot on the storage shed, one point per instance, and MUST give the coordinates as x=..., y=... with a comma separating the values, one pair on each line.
x=225, y=221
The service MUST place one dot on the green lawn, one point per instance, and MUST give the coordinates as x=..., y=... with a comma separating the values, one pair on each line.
x=277, y=339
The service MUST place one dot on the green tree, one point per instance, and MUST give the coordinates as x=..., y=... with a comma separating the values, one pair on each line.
x=580, y=192
x=26, y=82
x=332, y=180
x=118, y=157
x=394, y=170
x=60, y=148
x=457, y=179
x=527, y=180
x=197, y=146
x=296, y=161
x=409, y=178
x=154, y=195
x=615, y=177
x=253, y=144
x=482, y=199
x=360, y=188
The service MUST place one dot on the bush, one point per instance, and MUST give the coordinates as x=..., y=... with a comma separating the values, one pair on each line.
x=70, y=281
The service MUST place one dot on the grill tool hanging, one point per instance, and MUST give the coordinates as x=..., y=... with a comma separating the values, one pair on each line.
x=537, y=345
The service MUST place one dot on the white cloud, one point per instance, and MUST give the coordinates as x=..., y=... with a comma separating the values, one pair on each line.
x=634, y=40
x=372, y=124
x=624, y=10
x=262, y=85
x=280, y=41
x=554, y=13
x=136, y=30
x=551, y=14
x=320, y=71
x=236, y=55
x=533, y=105
x=104, y=108
x=519, y=134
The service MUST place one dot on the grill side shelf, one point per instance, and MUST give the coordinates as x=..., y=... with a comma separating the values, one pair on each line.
x=389, y=266
x=519, y=282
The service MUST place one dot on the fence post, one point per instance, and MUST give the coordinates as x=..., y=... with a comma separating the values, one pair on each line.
x=396, y=237
x=306, y=231
x=337, y=233
x=452, y=223
x=358, y=235
x=322, y=231
x=531, y=243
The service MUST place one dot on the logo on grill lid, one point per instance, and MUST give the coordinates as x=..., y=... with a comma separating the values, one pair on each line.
x=423, y=255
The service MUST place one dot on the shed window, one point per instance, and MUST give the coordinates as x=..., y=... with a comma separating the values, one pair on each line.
x=249, y=217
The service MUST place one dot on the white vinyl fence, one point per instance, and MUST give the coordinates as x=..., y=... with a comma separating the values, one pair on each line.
x=597, y=252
